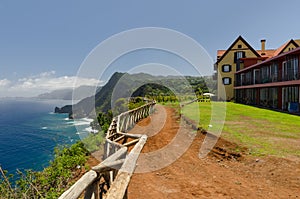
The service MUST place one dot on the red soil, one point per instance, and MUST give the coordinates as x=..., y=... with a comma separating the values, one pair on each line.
x=222, y=174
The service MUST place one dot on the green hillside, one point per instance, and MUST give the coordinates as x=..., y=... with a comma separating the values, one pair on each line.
x=124, y=85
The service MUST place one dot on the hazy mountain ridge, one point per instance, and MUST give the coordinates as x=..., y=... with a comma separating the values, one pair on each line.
x=67, y=94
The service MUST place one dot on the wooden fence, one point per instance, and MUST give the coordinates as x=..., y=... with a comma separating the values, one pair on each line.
x=111, y=177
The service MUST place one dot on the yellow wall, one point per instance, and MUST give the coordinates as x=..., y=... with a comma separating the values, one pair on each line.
x=289, y=47
x=297, y=41
x=226, y=92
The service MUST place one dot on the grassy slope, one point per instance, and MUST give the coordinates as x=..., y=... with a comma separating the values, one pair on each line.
x=262, y=131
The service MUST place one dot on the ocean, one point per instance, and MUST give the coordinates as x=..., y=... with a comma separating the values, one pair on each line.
x=29, y=132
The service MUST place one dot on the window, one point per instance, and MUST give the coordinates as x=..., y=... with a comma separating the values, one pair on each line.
x=273, y=97
x=290, y=94
x=250, y=96
x=249, y=78
x=263, y=97
x=226, y=80
x=290, y=69
x=284, y=71
x=243, y=82
x=226, y=68
x=256, y=76
x=239, y=46
x=265, y=74
x=238, y=55
x=274, y=72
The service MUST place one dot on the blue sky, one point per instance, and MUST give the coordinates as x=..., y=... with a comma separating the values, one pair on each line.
x=45, y=42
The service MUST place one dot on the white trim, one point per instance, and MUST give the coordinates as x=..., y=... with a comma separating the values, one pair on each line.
x=254, y=77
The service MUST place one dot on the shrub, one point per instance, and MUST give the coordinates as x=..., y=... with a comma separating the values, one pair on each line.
x=52, y=181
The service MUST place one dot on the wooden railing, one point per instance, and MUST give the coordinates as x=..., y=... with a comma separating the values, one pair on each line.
x=111, y=177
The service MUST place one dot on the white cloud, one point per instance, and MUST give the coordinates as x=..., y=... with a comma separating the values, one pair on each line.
x=42, y=83
x=47, y=74
x=4, y=82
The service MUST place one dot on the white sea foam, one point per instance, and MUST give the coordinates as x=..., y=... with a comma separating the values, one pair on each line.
x=80, y=133
x=81, y=123
x=89, y=129
x=87, y=119
x=44, y=127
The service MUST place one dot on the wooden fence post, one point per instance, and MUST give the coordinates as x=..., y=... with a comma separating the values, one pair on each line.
x=116, y=181
x=92, y=192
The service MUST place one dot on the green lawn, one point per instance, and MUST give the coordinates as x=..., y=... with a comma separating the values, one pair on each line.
x=261, y=131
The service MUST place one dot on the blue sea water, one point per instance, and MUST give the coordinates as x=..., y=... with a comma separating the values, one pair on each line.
x=29, y=132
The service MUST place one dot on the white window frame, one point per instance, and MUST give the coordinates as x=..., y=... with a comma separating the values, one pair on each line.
x=242, y=78
x=239, y=54
x=284, y=70
x=254, y=75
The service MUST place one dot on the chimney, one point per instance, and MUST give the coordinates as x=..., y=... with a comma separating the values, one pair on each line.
x=263, y=45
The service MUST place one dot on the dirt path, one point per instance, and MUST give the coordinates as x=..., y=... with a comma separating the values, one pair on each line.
x=220, y=175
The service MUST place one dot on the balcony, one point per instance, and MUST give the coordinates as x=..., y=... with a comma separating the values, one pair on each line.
x=258, y=78
x=290, y=75
x=268, y=79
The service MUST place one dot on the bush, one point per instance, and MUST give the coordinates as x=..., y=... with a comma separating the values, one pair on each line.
x=93, y=142
x=52, y=181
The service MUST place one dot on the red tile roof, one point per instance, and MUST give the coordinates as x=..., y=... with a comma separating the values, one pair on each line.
x=220, y=52
x=296, y=50
x=267, y=53
x=280, y=49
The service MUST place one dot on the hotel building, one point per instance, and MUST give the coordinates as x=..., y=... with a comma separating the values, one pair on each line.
x=267, y=77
